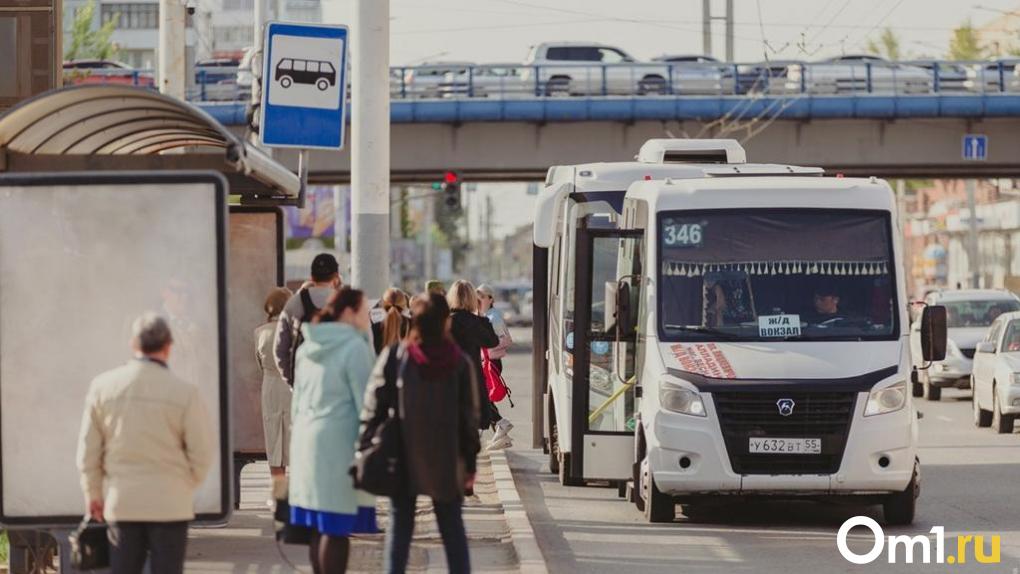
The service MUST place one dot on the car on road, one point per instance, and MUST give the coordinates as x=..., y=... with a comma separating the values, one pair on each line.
x=766, y=77
x=996, y=377
x=952, y=75
x=698, y=74
x=424, y=81
x=93, y=71
x=591, y=69
x=216, y=79
x=488, y=80
x=993, y=77
x=859, y=73
x=969, y=312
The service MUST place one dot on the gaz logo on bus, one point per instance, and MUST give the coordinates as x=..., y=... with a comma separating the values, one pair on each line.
x=679, y=234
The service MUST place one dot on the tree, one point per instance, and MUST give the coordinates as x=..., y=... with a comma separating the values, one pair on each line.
x=964, y=44
x=88, y=43
x=888, y=45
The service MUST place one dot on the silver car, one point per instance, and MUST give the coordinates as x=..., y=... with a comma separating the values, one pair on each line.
x=591, y=69
x=698, y=74
x=423, y=81
x=489, y=80
x=993, y=77
x=855, y=74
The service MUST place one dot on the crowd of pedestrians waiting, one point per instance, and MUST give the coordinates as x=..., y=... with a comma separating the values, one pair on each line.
x=335, y=365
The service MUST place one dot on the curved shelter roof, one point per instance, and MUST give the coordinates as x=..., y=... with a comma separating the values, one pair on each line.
x=113, y=127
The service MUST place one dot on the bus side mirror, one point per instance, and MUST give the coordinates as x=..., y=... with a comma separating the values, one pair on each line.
x=933, y=333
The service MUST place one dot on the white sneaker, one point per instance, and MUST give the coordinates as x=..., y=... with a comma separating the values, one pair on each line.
x=502, y=430
x=500, y=443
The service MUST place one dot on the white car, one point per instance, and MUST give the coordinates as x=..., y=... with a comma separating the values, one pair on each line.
x=424, y=81
x=850, y=75
x=698, y=74
x=984, y=78
x=970, y=312
x=591, y=69
x=489, y=80
x=996, y=378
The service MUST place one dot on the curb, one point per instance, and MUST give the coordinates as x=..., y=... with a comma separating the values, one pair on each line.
x=522, y=535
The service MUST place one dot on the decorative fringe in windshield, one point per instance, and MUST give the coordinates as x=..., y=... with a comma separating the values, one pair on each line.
x=693, y=269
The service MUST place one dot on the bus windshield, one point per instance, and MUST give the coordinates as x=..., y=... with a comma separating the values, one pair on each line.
x=776, y=274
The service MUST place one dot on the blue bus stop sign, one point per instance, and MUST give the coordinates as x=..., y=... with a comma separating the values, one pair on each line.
x=975, y=147
x=304, y=86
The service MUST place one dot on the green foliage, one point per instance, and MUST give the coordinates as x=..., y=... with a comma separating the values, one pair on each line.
x=87, y=42
x=888, y=45
x=964, y=44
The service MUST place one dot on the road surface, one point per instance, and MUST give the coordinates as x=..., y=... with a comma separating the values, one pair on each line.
x=970, y=485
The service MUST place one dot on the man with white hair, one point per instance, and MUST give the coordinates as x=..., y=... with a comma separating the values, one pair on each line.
x=145, y=446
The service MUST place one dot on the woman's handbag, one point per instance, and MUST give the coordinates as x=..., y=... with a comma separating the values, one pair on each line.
x=90, y=546
x=378, y=463
x=498, y=390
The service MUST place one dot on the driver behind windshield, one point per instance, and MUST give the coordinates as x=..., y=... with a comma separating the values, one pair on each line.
x=826, y=305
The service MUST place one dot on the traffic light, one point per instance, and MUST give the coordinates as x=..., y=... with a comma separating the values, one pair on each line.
x=451, y=190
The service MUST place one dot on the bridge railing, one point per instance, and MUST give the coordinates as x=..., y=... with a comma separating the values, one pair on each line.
x=508, y=81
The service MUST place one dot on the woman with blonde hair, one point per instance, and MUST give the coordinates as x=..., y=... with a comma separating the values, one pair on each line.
x=394, y=327
x=471, y=332
x=275, y=391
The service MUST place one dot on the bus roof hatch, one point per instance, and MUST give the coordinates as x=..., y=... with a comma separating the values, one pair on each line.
x=692, y=151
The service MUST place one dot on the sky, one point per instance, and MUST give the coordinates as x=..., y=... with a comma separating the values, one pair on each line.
x=502, y=30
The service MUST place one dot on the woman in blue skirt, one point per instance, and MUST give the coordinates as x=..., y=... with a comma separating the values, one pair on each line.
x=331, y=373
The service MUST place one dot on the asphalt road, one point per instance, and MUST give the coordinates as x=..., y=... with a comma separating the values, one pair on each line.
x=970, y=485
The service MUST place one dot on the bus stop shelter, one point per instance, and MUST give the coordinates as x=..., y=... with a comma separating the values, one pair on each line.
x=124, y=128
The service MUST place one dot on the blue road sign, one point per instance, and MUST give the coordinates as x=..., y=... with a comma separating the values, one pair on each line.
x=975, y=147
x=304, y=86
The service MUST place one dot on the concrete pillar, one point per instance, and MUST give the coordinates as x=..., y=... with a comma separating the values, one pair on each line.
x=370, y=147
x=171, y=57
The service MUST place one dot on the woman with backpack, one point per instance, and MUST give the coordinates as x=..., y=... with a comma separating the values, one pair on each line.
x=332, y=369
x=430, y=382
x=472, y=332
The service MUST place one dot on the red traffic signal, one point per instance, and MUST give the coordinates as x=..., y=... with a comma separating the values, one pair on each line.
x=450, y=177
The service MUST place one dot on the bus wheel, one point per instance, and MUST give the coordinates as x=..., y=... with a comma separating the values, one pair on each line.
x=659, y=507
x=322, y=84
x=899, y=508
x=285, y=82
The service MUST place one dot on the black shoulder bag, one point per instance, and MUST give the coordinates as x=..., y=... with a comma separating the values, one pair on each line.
x=309, y=310
x=378, y=466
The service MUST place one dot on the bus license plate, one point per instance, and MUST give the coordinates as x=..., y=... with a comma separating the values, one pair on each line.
x=785, y=445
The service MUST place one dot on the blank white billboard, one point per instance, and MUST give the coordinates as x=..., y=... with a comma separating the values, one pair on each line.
x=82, y=255
x=256, y=266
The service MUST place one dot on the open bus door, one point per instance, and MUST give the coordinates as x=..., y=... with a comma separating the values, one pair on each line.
x=603, y=397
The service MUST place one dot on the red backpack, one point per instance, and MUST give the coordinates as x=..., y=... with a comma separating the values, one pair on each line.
x=494, y=380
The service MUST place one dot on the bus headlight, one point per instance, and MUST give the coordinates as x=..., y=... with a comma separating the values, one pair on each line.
x=1016, y=378
x=680, y=400
x=887, y=399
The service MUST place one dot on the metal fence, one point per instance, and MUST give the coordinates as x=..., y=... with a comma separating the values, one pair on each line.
x=509, y=81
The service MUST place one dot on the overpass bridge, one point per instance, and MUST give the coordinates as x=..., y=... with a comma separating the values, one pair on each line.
x=516, y=139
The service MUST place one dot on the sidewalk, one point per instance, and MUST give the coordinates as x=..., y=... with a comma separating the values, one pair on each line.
x=246, y=545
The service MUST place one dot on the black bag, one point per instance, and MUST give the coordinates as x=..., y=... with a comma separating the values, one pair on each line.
x=286, y=532
x=90, y=546
x=297, y=338
x=378, y=466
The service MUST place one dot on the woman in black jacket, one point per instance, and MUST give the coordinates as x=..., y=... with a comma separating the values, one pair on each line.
x=471, y=332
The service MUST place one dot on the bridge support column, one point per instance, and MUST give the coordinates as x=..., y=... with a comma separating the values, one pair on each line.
x=370, y=147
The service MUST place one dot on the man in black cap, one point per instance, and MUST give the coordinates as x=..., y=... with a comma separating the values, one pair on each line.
x=826, y=304
x=300, y=308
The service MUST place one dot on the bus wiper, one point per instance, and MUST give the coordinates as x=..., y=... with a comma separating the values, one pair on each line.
x=704, y=331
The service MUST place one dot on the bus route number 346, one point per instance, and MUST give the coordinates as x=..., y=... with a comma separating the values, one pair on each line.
x=678, y=234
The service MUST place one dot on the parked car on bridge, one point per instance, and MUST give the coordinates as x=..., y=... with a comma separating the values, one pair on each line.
x=993, y=77
x=859, y=73
x=996, y=378
x=698, y=74
x=216, y=79
x=970, y=312
x=590, y=69
x=497, y=80
x=423, y=81
x=93, y=71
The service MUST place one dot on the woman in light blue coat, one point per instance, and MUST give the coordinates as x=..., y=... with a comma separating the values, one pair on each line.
x=332, y=369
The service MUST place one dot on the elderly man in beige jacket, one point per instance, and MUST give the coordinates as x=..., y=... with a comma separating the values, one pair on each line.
x=145, y=447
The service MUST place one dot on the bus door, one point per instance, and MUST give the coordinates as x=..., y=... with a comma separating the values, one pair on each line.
x=602, y=403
